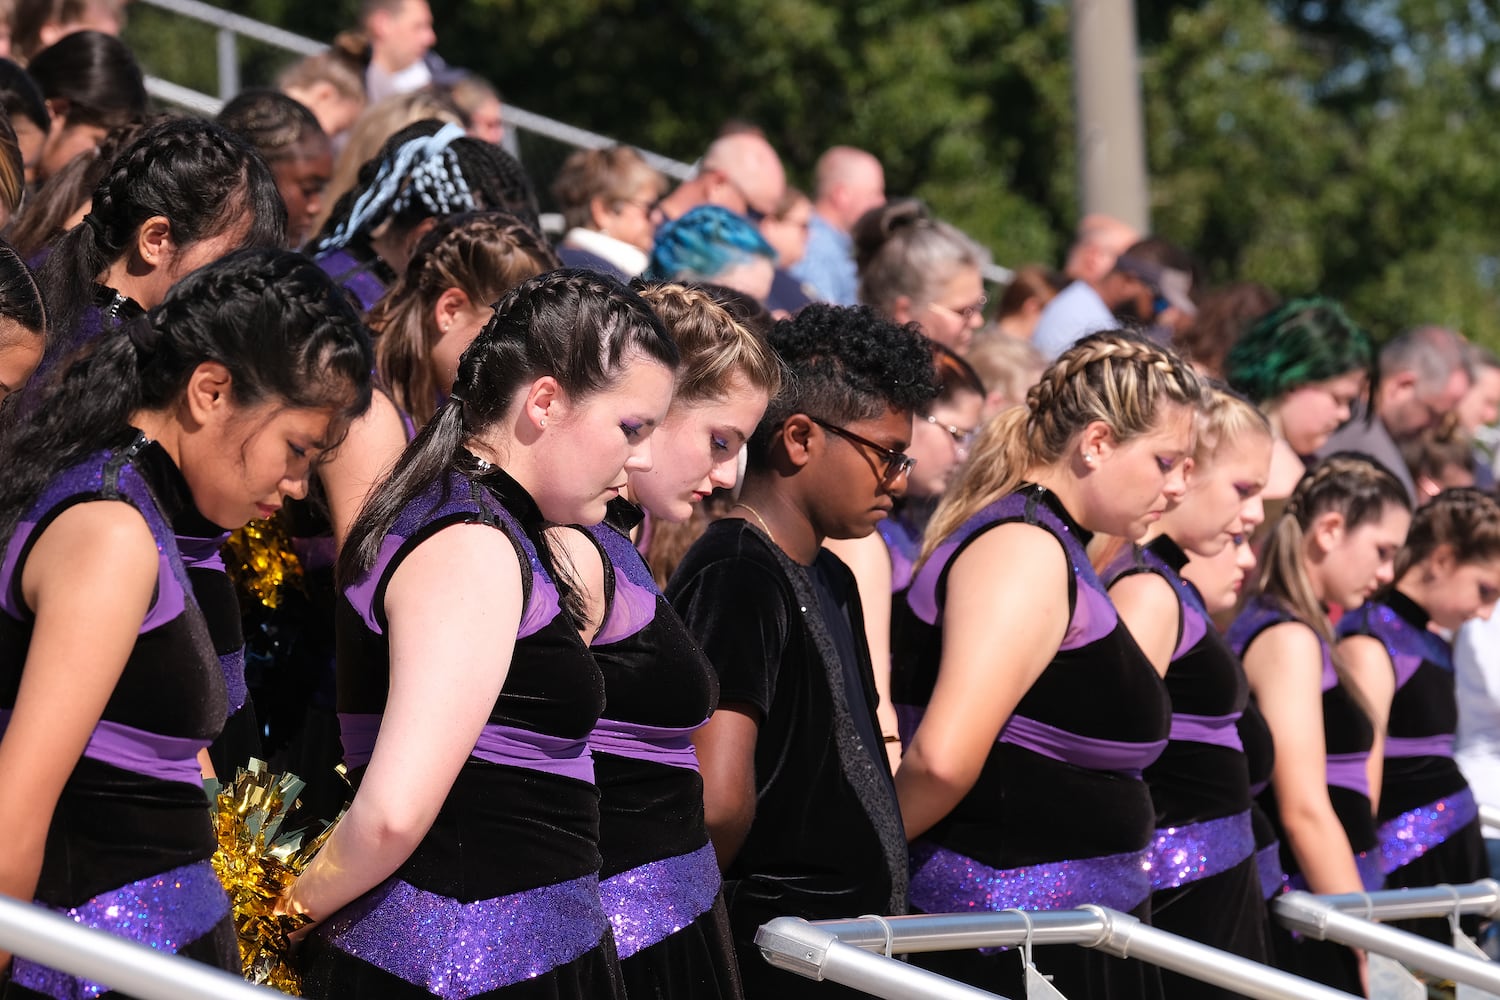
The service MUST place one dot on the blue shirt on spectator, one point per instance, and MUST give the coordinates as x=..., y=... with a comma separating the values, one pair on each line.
x=828, y=266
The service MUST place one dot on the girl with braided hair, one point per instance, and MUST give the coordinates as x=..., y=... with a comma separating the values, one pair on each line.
x=293, y=145
x=188, y=421
x=1448, y=572
x=184, y=193
x=1335, y=543
x=468, y=862
x=1020, y=783
x=424, y=173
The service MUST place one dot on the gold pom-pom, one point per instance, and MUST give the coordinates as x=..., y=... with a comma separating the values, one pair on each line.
x=261, y=561
x=256, y=862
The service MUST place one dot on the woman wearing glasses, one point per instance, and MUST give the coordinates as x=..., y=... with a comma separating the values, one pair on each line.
x=606, y=196
x=918, y=269
x=1027, y=708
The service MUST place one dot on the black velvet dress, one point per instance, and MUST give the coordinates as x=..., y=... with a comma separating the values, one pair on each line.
x=1260, y=758
x=786, y=640
x=127, y=851
x=1428, y=820
x=501, y=897
x=1059, y=816
x=660, y=879
x=1348, y=737
x=1204, y=877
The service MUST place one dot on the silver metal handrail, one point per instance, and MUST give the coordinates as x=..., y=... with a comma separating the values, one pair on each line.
x=1489, y=817
x=828, y=950
x=127, y=966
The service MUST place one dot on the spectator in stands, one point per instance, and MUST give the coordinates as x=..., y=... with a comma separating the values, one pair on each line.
x=92, y=84
x=850, y=182
x=401, y=39
x=740, y=172
x=1479, y=410
x=328, y=84
x=786, y=229
x=714, y=245
x=39, y=24
x=1031, y=288
x=63, y=199
x=1224, y=316
x=915, y=268
x=606, y=196
x=1098, y=243
x=1423, y=375
x=1149, y=279
x=1439, y=458
x=479, y=103
x=293, y=145
x=1008, y=368
x=23, y=102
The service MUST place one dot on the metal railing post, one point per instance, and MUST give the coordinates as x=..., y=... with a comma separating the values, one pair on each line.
x=808, y=950
x=229, y=64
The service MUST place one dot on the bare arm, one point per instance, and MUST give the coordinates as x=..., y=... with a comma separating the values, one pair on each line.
x=586, y=567
x=1152, y=614
x=453, y=607
x=870, y=562
x=365, y=457
x=726, y=759
x=1000, y=630
x=1368, y=670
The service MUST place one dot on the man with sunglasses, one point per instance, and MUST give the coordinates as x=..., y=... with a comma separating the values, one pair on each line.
x=1151, y=283
x=796, y=789
x=740, y=172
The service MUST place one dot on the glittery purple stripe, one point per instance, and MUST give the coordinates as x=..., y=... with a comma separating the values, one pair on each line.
x=170, y=758
x=1439, y=745
x=536, y=751
x=943, y=881
x=456, y=950
x=1366, y=862
x=357, y=732
x=165, y=912
x=651, y=903
x=233, y=665
x=1081, y=751
x=653, y=744
x=1215, y=730
x=1417, y=831
x=1183, y=854
x=1350, y=771
x=1272, y=879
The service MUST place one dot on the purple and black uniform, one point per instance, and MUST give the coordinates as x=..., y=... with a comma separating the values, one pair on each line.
x=660, y=880
x=129, y=845
x=501, y=897
x=1204, y=877
x=359, y=272
x=1059, y=815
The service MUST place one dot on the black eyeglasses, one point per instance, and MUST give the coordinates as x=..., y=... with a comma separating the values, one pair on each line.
x=897, y=464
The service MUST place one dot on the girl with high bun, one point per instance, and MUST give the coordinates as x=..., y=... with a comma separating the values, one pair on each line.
x=1020, y=784
x=1448, y=572
x=1335, y=543
x=1204, y=878
x=468, y=862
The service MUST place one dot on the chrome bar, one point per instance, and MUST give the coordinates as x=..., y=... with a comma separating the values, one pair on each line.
x=229, y=64
x=241, y=25
x=1482, y=898
x=183, y=97
x=810, y=951
x=584, y=139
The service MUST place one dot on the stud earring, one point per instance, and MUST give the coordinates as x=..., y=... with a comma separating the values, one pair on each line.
x=542, y=422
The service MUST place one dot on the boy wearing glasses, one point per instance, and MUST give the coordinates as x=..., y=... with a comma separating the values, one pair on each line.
x=797, y=791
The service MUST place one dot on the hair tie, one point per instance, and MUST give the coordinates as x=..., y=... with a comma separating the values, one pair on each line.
x=455, y=398
x=92, y=221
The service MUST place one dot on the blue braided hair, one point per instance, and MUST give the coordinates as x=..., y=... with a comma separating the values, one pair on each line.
x=704, y=243
x=423, y=171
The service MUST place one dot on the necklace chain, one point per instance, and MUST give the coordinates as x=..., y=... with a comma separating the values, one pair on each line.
x=769, y=533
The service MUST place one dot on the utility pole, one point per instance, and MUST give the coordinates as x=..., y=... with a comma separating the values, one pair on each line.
x=1111, y=129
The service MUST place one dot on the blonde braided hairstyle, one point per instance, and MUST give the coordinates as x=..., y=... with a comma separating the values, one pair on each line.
x=716, y=348
x=1119, y=378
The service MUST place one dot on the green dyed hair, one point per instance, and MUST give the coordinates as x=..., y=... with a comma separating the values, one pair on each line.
x=1304, y=341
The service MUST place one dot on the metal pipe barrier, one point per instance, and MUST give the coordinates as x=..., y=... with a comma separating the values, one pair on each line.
x=827, y=950
x=1333, y=918
x=127, y=966
x=1489, y=818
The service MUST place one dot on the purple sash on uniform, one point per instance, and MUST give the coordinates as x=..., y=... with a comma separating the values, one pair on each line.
x=1080, y=751
x=1350, y=771
x=170, y=758
x=1417, y=831
x=166, y=912
x=1215, y=730
x=1272, y=878
x=1183, y=854
x=651, y=903
x=516, y=747
x=233, y=665
x=944, y=881
x=1438, y=745
x=653, y=744
x=456, y=950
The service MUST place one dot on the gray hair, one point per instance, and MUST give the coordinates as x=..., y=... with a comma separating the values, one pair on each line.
x=1432, y=353
x=902, y=249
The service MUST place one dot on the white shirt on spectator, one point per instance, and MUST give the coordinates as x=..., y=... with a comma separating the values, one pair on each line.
x=1074, y=313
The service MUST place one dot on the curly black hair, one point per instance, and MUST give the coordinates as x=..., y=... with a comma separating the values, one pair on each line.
x=847, y=363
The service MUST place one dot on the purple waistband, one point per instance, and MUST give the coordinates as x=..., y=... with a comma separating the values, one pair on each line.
x=166, y=912
x=1272, y=878
x=516, y=747
x=943, y=881
x=357, y=732
x=1183, y=854
x=456, y=950
x=1215, y=730
x=1370, y=876
x=651, y=903
x=170, y=758
x=233, y=665
x=1440, y=745
x=654, y=744
x=1350, y=771
x=1080, y=751
x=1416, y=831
x=1259, y=787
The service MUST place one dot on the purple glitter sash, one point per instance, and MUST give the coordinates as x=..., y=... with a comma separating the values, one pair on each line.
x=516, y=747
x=1272, y=879
x=233, y=665
x=651, y=903
x=1349, y=771
x=166, y=912
x=1417, y=831
x=170, y=758
x=943, y=881
x=456, y=950
x=1438, y=745
x=1215, y=730
x=1370, y=876
x=1184, y=854
x=1081, y=751
x=653, y=744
